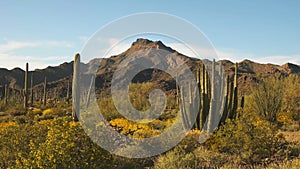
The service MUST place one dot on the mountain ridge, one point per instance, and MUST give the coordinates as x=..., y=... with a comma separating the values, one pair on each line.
x=249, y=71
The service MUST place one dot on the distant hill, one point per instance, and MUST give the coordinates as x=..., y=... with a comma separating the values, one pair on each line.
x=249, y=71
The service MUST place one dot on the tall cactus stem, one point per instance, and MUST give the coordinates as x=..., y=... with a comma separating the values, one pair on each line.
x=183, y=110
x=45, y=92
x=26, y=88
x=31, y=90
x=235, y=94
x=212, y=113
x=5, y=94
x=75, y=88
x=243, y=102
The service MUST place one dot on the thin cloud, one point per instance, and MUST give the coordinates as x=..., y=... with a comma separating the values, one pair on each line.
x=274, y=59
x=11, y=61
x=14, y=45
x=279, y=60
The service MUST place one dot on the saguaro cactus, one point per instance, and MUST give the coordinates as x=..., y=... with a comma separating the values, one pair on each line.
x=45, y=92
x=26, y=88
x=6, y=94
x=31, y=91
x=75, y=89
x=243, y=102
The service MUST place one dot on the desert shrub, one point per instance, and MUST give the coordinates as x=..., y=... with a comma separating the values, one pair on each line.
x=157, y=124
x=293, y=149
x=179, y=157
x=15, y=139
x=176, y=158
x=5, y=118
x=16, y=113
x=138, y=93
x=24, y=119
x=137, y=130
x=37, y=111
x=108, y=109
x=62, y=109
x=134, y=163
x=266, y=98
x=285, y=118
x=48, y=112
x=45, y=117
x=292, y=164
x=5, y=125
x=66, y=146
x=291, y=97
x=251, y=138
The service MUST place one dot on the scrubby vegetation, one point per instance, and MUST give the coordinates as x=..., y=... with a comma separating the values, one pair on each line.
x=260, y=136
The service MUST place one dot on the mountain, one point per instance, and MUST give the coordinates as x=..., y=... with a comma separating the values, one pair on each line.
x=249, y=71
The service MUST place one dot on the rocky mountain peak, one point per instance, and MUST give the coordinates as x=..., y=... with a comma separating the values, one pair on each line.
x=142, y=43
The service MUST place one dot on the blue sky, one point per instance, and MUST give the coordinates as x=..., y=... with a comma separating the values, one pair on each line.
x=50, y=32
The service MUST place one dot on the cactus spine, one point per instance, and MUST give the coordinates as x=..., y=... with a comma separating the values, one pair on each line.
x=75, y=89
x=26, y=88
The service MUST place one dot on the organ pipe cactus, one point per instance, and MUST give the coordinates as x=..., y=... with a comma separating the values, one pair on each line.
x=235, y=90
x=212, y=115
x=212, y=91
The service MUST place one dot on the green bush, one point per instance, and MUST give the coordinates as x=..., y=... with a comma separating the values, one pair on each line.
x=179, y=157
x=251, y=138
